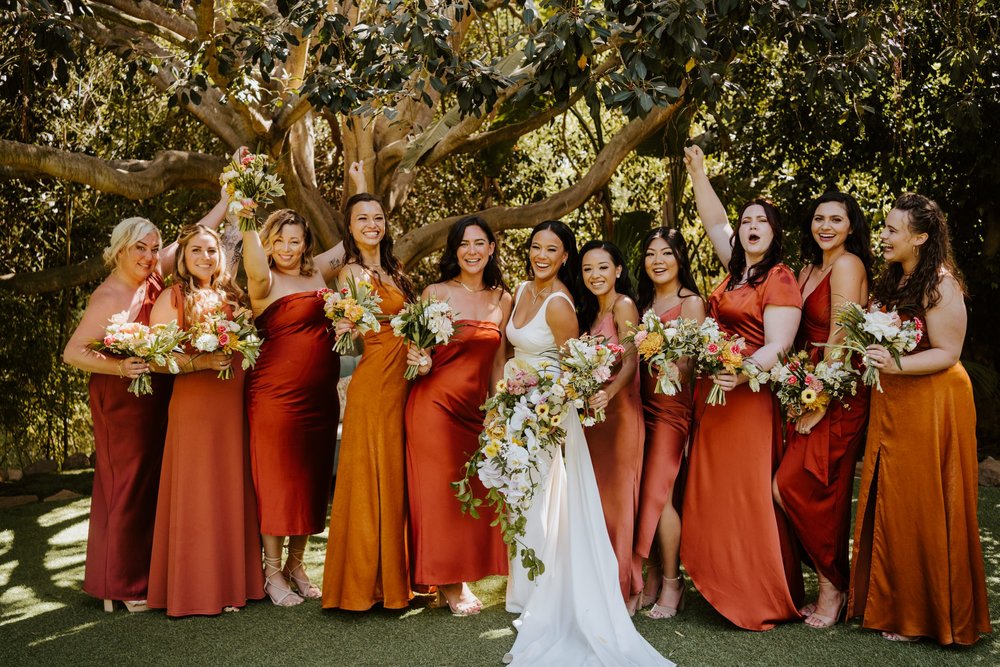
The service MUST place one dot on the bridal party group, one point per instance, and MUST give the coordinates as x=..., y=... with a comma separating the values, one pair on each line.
x=196, y=480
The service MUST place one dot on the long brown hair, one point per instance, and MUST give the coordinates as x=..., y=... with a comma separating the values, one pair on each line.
x=221, y=282
x=772, y=256
x=392, y=266
x=273, y=226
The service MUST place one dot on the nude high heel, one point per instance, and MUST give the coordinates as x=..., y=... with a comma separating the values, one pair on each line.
x=659, y=612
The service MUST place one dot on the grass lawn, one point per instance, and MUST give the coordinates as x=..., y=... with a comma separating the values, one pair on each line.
x=45, y=619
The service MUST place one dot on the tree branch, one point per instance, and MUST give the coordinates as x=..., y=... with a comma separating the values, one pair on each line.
x=153, y=14
x=53, y=280
x=106, y=13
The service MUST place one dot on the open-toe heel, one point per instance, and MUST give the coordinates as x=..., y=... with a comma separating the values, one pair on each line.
x=281, y=597
x=659, y=612
x=305, y=587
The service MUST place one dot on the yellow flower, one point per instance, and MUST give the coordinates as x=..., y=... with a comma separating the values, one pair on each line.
x=499, y=431
x=542, y=409
x=651, y=345
x=491, y=450
x=354, y=312
x=808, y=397
x=501, y=385
x=571, y=393
x=556, y=420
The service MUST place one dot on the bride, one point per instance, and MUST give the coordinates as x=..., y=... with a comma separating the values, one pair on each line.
x=573, y=613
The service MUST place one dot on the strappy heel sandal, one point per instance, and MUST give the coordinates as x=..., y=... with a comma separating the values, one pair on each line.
x=133, y=606
x=306, y=589
x=280, y=597
x=659, y=612
x=823, y=621
x=457, y=609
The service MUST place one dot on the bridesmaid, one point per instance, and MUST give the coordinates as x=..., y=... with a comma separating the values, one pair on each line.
x=366, y=554
x=666, y=285
x=606, y=308
x=128, y=430
x=815, y=481
x=443, y=420
x=292, y=400
x=205, y=540
x=918, y=563
x=735, y=544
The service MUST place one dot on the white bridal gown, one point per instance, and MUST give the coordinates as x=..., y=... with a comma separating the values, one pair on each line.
x=572, y=614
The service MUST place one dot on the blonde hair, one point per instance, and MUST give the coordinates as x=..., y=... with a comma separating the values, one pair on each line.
x=125, y=235
x=221, y=283
x=273, y=226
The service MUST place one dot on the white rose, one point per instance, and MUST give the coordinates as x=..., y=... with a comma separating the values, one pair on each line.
x=206, y=342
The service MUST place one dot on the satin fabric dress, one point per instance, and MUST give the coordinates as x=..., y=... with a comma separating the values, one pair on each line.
x=917, y=559
x=366, y=553
x=206, y=542
x=816, y=475
x=293, y=409
x=616, y=453
x=735, y=542
x=668, y=422
x=128, y=443
x=443, y=422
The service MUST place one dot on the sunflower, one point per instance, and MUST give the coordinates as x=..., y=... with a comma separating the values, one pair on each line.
x=542, y=409
x=808, y=397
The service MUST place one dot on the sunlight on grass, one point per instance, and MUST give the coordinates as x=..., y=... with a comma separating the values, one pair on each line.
x=412, y=612
x=76, y=510
x=19, y=603
x=65, y=633
x=6, y=570
x=497, y=634
x=6, y=541
x=70, y=535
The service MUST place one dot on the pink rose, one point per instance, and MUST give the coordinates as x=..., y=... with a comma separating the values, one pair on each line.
x=223, y=339
x=792, y=381
x=640, y=336
x=712, y=348
x=109, y=341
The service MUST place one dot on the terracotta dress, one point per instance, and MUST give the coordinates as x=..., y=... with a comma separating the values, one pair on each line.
x=616, y=453
x=443, y=422
x=206, y=543
x=667, y=421
x=918, y=562
x=366, y=553
x=293, y=410
x=128, y=441
x=816, y=475
x=735, y=542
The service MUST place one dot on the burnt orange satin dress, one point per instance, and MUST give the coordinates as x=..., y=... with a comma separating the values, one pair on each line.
x=206, y=544
x=293, y=408
x=918, y=562
x=615, y=446
x=366, y=553
x=443, y=422
x=128, y=441
x=735, y=542
x=816, y=475
x=668, y=421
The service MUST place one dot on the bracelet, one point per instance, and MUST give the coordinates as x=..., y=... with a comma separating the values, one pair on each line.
x=121, y=372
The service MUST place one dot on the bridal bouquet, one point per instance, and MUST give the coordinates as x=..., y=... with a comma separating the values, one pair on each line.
x=424, y=323
x=802, y=386
x=215, y=332
x=153, y=344
x=661, y=345
x=719, y=352
x=875, y=326
x=250, y=182
x=587, y=363
x=358, y=303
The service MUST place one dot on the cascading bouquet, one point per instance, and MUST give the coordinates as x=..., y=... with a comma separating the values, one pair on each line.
x=250, y=182
x=719, y=352
x=359, y=303
x=153, y=344
x=875, y=326
x=801, y=385
x=660, y=345
x=424, y=323
x=215, y=332
x=587, y=364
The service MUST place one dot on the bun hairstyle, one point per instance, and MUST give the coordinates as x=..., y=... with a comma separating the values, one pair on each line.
x=646, y=290
x=220, y=285
x=587, y=306
x=272, y=229
x=448, y=266
x=352, y=254
x=859, y=236
x=569, y=272
x=772, y=256
x=125, y=235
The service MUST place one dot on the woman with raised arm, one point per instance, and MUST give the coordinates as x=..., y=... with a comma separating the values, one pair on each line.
x=128, y=429
x=366, y=553
x=206, y=545
x=815, y=481
x=607, y=307
x=443, y=420
x=666, y=285
x=735, y=542
x=917, y=561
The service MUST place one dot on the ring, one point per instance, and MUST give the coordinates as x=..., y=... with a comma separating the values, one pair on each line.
x=423, y=361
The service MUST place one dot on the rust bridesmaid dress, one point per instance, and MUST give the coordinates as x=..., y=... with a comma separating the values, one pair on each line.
x=293, y=410
x=616, y=453
x=918, y=562
x=128, y=442
x=735, y=542
x=816, y=475
x=668, y=422
x=443, y=422
x=206, y=544
x=366, y=553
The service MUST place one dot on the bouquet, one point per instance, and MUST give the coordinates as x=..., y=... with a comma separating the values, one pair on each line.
x=217, y=333
x=719, y=352
x=358, y=303
x=424, y=324
x=587, y=362
x=249, y=181
x=802, y=386
x=661, y=345
x=153, y=344
x=874, y=326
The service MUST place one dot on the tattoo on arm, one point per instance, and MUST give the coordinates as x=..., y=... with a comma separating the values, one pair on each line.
x=336, y=263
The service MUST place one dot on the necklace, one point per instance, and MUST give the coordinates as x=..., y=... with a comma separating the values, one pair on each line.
x=535, y=295
x=467, y=288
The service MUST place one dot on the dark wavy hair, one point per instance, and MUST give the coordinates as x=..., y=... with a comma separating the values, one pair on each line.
x=352, y=254
x=920, y=290
x=568, y=272
x=859, y=236
x=772, y=256
x=587, y=307
x=448, y=266
x=646, y=290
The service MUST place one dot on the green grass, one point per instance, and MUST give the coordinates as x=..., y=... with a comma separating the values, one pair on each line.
x=46, y=619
